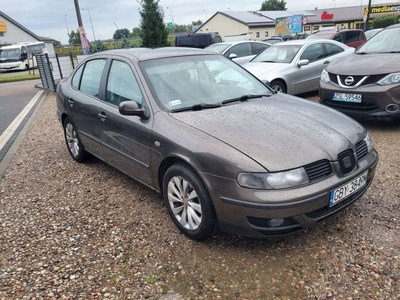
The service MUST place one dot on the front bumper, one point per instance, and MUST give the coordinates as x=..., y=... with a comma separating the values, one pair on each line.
x=377, y=101
x=254, y=213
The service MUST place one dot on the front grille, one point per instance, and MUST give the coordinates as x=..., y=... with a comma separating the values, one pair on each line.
x=370, y=80
x=318, y=170
x=355, y=78
x=361, y=150
x=365, y=106
x=373, y=79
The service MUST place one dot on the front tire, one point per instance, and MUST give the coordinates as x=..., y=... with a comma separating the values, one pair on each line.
x=188, y=202
x=278, y=87
x=74, y=144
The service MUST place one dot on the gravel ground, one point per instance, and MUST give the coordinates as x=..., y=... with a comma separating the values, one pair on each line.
x=87, y=231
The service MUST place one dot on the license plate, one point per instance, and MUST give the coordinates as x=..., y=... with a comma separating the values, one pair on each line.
x=348, y=189
x=355, y=98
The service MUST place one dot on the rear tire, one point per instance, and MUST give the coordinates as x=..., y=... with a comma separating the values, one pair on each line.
x=188, y=202
x=74, y=144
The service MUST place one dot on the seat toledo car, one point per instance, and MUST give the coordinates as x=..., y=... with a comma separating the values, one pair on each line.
x=224, y=151
x=295, y=67
x=366, y=83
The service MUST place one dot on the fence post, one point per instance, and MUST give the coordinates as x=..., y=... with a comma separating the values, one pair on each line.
x=72, y=60
x=59, y=67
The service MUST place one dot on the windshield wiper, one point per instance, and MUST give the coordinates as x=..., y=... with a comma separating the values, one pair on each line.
x=196, y=107
x=244, y=98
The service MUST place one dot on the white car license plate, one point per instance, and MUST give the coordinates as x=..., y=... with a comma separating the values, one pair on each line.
x=355, y=98
x=348, y=189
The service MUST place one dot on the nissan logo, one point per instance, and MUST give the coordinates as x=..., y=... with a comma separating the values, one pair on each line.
x=349, y=80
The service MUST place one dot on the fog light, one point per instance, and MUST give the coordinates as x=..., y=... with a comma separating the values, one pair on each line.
x=276, y=222
x=391, y=108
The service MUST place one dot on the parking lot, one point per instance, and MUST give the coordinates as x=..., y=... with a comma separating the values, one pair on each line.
x=87, y=231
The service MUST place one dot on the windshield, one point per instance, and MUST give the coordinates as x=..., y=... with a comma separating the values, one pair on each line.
x=219, y=48
x=317, y=36
x=385, y=41
x=13, y=54
x=187, y=81
x=278, y=53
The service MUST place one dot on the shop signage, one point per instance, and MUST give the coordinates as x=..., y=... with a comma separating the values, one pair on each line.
x=326, y=16
x=3, y=27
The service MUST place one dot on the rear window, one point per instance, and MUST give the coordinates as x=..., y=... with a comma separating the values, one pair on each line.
x=197, y=41
x=317, y=36
x=353, y=36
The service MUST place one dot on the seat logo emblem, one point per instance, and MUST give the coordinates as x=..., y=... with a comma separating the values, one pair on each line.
x=347, y=162
x=349, y=80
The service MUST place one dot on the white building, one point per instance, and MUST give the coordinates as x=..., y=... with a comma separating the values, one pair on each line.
x=11, y=32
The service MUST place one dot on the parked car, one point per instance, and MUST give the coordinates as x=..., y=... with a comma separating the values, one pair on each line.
x=366, y=83
x=225, y=154
x=240, y=51
x=370, y=33
x=295, y=67
x=351, y=37
x=273, y=40
x=197, y=40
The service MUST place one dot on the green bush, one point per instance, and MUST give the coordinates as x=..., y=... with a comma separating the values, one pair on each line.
x=383, y=22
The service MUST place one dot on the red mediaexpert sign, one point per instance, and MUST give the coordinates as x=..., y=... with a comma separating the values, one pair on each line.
x=326, y=16
x=305, y=20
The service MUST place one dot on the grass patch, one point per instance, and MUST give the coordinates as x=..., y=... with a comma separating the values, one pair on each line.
x=19, y=77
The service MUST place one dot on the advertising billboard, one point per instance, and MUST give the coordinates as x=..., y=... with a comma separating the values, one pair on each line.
x=289, y=25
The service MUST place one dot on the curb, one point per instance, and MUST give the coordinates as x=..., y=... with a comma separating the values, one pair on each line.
x=14, y=147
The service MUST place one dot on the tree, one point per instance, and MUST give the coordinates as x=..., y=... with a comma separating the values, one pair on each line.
x=121, y=33
x=56, y=43
x=136, y=32
x=74, y=38
x=97, y=46
x=199, y=22
x=273, y=5
x=383, y=22
x=154, y=32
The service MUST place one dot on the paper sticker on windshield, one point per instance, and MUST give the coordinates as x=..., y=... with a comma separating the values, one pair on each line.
x=174, y=102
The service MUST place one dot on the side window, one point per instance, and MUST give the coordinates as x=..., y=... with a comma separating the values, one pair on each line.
x=77, y=77
x=122, y=85
x=353, y=36
x=339, y=37
x=332, y=49
x=91, y=77
x=258, y=47
x=242, y=49
x=30, y=52
x=313, y=53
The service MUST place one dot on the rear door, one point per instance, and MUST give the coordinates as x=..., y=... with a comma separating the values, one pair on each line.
x=82, y=101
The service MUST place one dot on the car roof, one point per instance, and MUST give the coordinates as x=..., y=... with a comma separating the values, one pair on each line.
x=237, y=42
x=141, y=54
x=302, y=42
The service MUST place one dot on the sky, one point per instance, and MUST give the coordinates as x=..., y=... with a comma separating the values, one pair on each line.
x=52, y=18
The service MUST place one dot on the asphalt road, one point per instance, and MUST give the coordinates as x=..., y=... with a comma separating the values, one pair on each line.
x=14, y=97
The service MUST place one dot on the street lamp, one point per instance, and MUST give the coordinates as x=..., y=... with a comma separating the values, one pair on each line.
x=172, y=16
x=206, y=14
x=90, y=17
x=66, y=23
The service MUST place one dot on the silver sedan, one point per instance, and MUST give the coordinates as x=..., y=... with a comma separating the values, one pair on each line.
x=295, y=67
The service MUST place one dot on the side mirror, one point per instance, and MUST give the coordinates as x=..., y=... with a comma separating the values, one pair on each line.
x=131, y=108
x=266, y=82
x=303, y=62
x=24, y=56
x=232, y=56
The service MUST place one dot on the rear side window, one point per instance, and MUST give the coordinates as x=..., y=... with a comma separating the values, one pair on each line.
x=258, y=48
x=353, y=36
x=77, y=77
x=313, y=53
x=332, y=49
x=339, y=37
x=91, y=77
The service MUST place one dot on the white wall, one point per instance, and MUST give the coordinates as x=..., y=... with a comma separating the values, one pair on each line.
x=14, y=34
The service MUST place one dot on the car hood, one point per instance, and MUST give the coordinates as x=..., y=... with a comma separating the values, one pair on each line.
x=280, y=132
x=260, y=69
x=360, y=64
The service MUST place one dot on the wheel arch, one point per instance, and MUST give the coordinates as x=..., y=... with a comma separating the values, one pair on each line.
x=281, y=80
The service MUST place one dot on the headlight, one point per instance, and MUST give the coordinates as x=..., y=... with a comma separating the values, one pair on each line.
x=325, y=76
x=390, y=79
x=273, y=181
x=368, y=141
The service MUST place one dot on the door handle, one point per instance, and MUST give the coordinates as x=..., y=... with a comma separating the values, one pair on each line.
x=71, y=101
x=102, y=116
x=326, y=62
